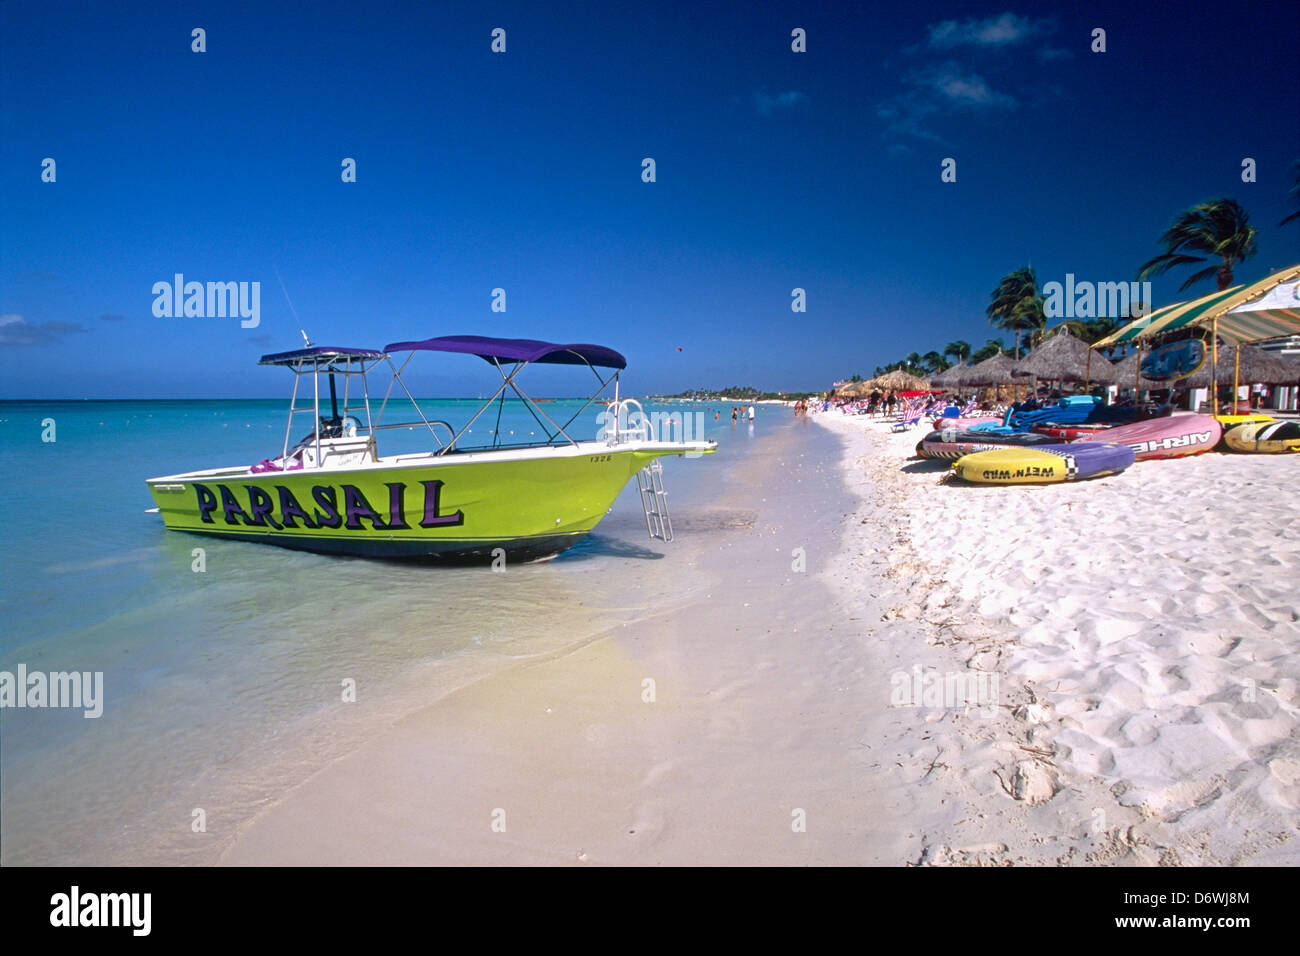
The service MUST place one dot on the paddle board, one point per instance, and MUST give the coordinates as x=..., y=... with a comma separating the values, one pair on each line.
x=1045, y=465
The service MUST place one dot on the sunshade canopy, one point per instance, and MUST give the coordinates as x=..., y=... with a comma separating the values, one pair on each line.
x=1245, y=313
x=516, y=350
x=1275, y=313
x=320, y=354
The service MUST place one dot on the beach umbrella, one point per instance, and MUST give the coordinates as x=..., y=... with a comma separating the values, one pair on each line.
x=1066, y=358
x=899, y=381
x=992, y=371
x=855, y=390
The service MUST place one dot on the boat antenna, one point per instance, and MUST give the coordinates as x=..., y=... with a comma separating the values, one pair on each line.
x=301, y=331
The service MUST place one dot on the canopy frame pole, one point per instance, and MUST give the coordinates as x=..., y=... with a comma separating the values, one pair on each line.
x=397, y=377
x=293, y=401
x=604, y=384
x=315, y=384
x=1214, y=369
x=1236, y=379
x=500, y=392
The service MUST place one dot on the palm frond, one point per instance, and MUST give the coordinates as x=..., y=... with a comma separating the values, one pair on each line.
x=1203, y=274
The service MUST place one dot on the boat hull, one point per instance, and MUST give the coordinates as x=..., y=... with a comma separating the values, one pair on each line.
x=464, y=508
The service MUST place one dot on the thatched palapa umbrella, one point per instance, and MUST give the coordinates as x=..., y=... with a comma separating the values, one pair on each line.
x=1066, y=358
x=855, y=390
x=948, y=378
x=992, y=371
x=899, y=381
x=1257, y=367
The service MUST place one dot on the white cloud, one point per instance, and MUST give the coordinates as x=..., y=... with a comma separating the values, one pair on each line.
x=965, y=89
x=15, y=330
x=1006, y=29
x=767, y=103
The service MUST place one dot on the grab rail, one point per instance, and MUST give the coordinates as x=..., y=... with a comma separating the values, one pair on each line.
x=637, y=428
x=431, y=422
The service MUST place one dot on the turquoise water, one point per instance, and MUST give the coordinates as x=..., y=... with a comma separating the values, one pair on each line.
x=222, y=688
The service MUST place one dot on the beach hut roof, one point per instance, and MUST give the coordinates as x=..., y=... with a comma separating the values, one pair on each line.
x=1257, y=366
x=992, y=371
x=1066, y=358
x=854, y=390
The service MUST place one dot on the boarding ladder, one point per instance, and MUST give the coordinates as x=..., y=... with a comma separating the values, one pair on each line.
x=654, y=501
x=627, y=421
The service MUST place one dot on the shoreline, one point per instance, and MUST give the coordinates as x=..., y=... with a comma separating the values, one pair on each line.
x=768, y=739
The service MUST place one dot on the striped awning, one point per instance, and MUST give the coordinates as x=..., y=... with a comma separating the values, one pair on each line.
x=1275, y=313
x=1130, y=331
x=1245, y=313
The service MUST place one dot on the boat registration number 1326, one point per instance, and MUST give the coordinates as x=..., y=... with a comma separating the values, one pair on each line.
x=596, y=458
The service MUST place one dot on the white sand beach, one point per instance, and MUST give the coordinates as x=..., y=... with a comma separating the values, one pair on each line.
x=1145, y=631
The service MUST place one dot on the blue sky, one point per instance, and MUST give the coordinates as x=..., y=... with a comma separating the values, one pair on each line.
x=522, y=171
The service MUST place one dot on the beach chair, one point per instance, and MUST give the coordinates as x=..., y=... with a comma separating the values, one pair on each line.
x=913, y=412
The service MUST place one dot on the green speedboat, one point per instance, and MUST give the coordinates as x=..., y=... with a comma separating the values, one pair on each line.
x=332, y=492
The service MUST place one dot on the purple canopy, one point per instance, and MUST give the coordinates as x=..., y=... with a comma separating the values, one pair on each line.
x=516, y=350
x=321, y=353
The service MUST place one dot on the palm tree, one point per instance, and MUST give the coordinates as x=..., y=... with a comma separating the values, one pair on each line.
x=959, y=350
x=1016, y=305
x=986, y=351
x=1218, y=228
x=1295, y=194
x=913, y=361
x=934, y=362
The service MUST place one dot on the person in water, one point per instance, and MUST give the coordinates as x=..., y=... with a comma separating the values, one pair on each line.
x=734, y=414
